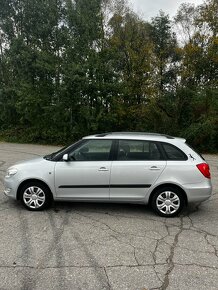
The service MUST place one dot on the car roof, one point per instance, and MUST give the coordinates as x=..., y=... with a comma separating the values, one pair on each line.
x=135, y=136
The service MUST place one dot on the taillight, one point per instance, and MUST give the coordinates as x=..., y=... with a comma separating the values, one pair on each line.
x=204, y=169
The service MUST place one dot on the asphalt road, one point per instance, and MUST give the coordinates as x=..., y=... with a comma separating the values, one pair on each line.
x=103, y=246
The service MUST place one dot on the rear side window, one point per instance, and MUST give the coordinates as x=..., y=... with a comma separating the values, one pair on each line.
x=173, y=153
x=138, y=150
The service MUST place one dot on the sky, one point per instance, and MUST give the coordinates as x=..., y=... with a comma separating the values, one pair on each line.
x=150, y=8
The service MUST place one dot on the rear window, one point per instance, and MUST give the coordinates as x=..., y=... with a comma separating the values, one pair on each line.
x=173, y=153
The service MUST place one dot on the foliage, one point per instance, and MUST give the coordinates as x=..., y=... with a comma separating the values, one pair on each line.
x=70, y=68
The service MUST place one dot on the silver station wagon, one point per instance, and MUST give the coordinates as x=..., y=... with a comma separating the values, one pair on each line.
x=146, y=168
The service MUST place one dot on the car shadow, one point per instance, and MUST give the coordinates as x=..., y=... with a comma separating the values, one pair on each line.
x=104, y=208
x=116, y=209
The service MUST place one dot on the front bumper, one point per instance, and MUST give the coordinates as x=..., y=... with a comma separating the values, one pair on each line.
x=10, y=188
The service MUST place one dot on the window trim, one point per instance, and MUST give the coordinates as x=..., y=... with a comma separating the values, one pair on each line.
x=113, y=155
x=165, y=153
x=162, y=157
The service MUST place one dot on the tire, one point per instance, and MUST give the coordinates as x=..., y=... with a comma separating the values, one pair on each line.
x=168, y=201
x=35, y=196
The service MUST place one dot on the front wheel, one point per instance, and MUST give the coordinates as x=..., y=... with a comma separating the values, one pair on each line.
x=35, y=196
x=168, y=201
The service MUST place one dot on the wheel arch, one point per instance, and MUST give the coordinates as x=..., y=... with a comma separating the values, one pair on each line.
x=18, y=196
x=168, y=185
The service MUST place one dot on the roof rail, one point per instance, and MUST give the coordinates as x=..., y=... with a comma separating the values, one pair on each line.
x=134, y=133
x=102, y=134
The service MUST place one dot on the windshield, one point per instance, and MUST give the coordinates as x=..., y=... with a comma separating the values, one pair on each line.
x=52, y=155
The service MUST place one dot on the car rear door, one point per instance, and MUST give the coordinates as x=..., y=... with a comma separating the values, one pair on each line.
x=138, y=165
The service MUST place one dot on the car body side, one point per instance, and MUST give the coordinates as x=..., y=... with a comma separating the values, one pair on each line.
x=182, y=174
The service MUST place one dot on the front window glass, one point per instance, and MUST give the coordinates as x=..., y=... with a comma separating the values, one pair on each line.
x=55, y=155
x=92, y=150
x=138, y=150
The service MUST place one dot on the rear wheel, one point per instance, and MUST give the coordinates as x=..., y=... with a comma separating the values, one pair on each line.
x=35, y=196
x=168, y=201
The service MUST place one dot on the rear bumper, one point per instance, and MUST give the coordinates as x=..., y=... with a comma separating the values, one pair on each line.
x=198, y=192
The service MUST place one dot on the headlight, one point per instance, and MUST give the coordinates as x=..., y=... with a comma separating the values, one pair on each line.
x=11, y=172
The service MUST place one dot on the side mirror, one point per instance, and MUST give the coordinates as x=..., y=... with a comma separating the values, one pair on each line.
x=66, y=157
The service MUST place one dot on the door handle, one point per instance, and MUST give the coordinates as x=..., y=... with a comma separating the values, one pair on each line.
x=102, y=169
x=154, y=168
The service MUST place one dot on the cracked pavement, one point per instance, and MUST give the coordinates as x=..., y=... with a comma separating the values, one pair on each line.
x=105, y=246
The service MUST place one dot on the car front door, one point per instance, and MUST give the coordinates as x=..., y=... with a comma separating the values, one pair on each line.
x=86, y=174
x=138, y=166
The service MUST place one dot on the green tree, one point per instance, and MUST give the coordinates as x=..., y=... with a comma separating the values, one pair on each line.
x=200, y=74
x=133, y=56
x=69, y=68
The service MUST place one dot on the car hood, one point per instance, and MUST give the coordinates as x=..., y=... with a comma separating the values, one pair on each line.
x=35, y=161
